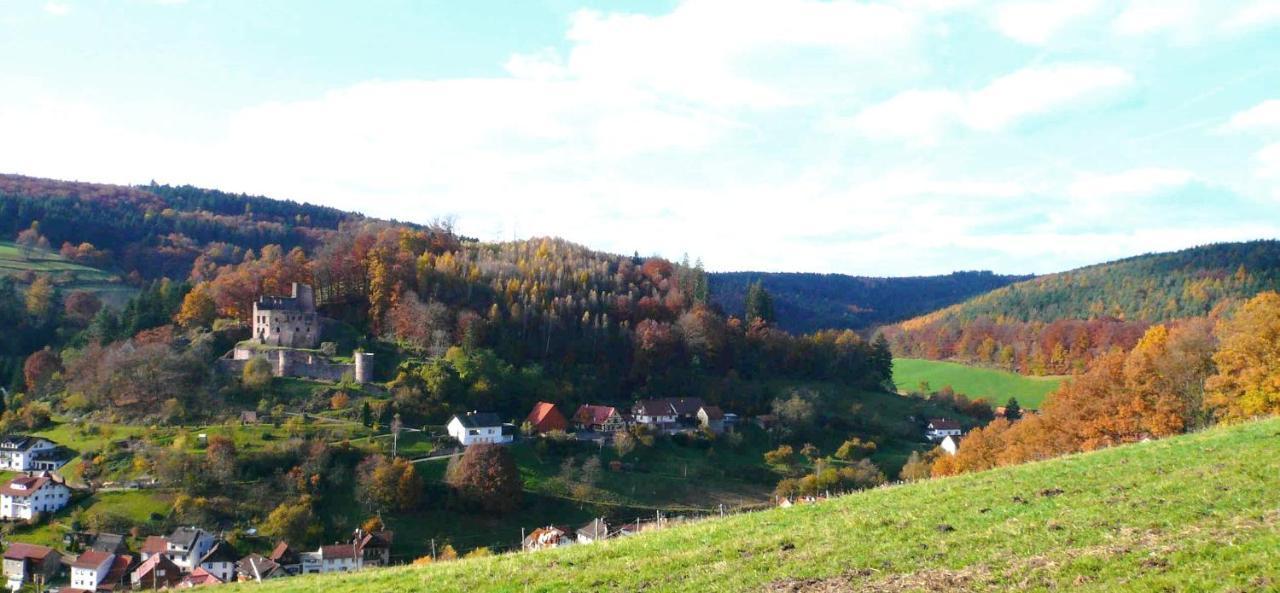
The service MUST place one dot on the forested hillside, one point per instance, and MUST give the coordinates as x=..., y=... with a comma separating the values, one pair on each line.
x=157, y=230
x=812, y=302
x=1056, y=324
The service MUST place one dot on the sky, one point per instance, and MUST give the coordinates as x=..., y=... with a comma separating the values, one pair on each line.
x=894, y=138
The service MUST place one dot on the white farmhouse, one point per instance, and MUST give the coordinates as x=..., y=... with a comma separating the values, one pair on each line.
x=95, y=569
x=187, y=545
x=941, y=428
x=480, y=427
x=24, y=453
x=335, y=558
x=220, y=562
x=26, y=497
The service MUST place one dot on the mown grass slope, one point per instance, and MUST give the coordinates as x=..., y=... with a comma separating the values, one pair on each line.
x=1194, y=513
x=67, y=274
x=994, y=385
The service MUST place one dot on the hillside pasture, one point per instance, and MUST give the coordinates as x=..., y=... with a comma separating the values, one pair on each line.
x=67, y=275
x=994, y=385
x=1191, y=513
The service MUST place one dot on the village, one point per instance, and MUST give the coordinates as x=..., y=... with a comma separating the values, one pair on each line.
x=286, y=336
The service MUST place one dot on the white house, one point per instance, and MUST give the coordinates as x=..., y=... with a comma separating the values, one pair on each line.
x=23, y=453
x=480, y=427
x=670, y=413
x=220, y=562
x=91, y=569
x=187, y=545
x=950, y=444
x=26, y=497
x=335, y=558
x=940, y=428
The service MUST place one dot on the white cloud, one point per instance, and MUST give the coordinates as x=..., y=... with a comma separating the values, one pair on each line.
x=1037, y=22
x=704, y=50
x=1255, y=14
x=1151, y=16
x=57, y=8
x=1264, y=115
x=923, y=116
x=1127, y=184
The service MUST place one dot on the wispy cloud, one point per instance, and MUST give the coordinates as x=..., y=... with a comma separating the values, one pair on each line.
x=924, y=116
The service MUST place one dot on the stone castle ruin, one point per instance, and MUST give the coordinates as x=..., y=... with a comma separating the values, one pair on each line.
x=286, y=331
x=287, y=321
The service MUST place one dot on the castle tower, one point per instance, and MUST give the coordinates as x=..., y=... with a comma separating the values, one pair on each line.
x=364, y=367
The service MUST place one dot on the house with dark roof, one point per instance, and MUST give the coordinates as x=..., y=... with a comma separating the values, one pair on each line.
x=187, y=545
x=600, y=418
x=109, y=542
x=157, y=572
x=941, y=428
x=29, y=563
x=374, y=548
x=255, y=568
x=287, y=558
x=671, y=413
x=545, y=418
x=220, y=561
x=28, y=497
x=480, y=427
x=22, y=453
x=594, y=531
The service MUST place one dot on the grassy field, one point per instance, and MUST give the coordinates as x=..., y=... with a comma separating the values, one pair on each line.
x=1193, y=513
x=66, y=274
x=996, y=386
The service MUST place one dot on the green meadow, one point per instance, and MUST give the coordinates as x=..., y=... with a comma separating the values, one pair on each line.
x=994, y=385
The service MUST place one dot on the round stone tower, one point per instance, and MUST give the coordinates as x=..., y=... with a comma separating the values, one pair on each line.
x=364, y=367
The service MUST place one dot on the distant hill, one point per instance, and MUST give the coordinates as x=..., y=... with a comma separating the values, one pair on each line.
x=160, y=230
x=1143, y=517
x=1152, y=287
x=811, y=302
x=1054, y=324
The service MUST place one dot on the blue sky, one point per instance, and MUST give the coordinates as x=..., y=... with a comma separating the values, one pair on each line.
x=886, y=138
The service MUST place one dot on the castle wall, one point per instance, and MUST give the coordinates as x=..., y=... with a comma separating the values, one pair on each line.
x=307, y=365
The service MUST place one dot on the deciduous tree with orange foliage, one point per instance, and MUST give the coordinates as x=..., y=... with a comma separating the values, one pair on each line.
x=1247, y=383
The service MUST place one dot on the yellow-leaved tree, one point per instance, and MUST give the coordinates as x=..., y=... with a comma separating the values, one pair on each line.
x=1247, y=383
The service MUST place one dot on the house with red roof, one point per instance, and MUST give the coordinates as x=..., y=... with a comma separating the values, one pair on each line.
x=199, y=578
x=601, y=418
x=545, y=418
x=941, y=428
x=156, y=572
x=27, y=497
x=29, y=563
x=95, y=570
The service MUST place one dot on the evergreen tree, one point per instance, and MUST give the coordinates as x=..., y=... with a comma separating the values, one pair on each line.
x=1012, y=411
x=759, y=303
